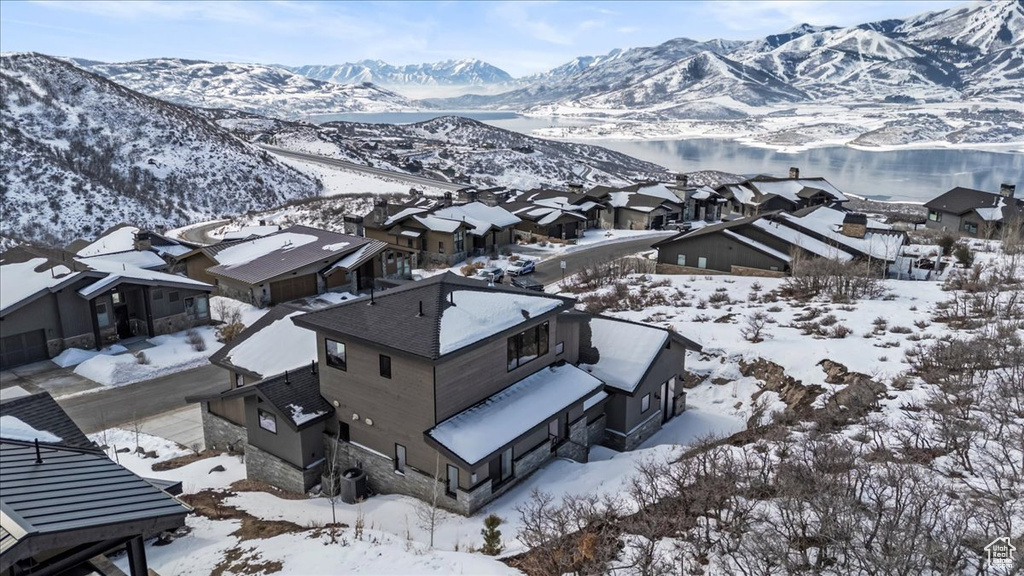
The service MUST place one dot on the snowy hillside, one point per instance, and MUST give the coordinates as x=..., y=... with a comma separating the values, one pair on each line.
x=454, y=149
x=81, y=153
x=254, y=88
x=469, y=72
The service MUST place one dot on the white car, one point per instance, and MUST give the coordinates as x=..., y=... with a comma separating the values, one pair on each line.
x=487, y=272
x=520, y=267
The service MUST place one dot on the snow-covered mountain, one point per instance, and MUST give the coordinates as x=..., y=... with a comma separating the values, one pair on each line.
x=451, y=148
x=81, y=153
x=469, y=72
x=256, y=88
x=969, y=52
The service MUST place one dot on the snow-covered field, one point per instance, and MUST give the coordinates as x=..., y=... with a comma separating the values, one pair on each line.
x=337, y=180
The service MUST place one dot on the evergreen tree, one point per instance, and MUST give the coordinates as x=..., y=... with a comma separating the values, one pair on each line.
x=492, y=536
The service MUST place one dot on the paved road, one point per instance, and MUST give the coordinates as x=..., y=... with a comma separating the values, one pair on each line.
x=200, y=234
x=121, y=405
x=549, y=271
x=421, y=180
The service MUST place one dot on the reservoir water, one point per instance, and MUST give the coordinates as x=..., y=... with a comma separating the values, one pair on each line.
x=915, y=174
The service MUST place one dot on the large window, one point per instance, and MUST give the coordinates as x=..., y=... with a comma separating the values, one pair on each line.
x=102, y=318
x=197, y=307
x=460, y=240
x=267, y=420
x=680, y=259
x=970, y=227
x=935, y=216
x=527, y=345
x=336, y=357
x=385, y=366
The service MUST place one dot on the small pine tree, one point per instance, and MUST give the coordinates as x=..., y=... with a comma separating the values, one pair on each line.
x=963, y=254
x=946, y=242
x=492, y=536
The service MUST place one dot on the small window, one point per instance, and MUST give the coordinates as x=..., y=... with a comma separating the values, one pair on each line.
x=399, y=458
x=102, y=318
x=158, y=294
x=560, y=347
x=385, y=366
x=174, y=296
x=336, y=357
x=935, y=216
x=553, y=430
x=239, y=380
x=773, y=268
x=452, y=485
x=267, y=420
x=505, y=465
x=681, y=260
x=702, y=262
x=116, y=297
x=440, y=247
x=970, y=227
x=645, y=403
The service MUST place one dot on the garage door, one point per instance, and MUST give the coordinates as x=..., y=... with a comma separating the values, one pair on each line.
x=22, y=349
x=292, y=288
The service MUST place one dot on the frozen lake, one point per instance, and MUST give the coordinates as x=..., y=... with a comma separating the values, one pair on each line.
x=916, y=174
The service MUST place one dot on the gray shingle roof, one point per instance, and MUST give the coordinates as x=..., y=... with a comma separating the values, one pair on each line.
x=393, y=320
x=74, y=490
x=276, y=313
x=284, y=260
x=711, y=229
x=301, y=391
x=961, y=200
x=41, y=412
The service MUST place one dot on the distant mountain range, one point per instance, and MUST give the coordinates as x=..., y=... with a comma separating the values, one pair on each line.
x=975, y=52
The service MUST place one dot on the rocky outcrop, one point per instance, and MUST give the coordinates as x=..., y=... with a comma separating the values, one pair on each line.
x=797, y=396
x=858, y=397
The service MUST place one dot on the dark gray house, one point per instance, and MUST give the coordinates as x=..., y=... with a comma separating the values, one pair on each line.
x=63, y=502
x=975, y=213
x=765, y=243
x=50, y=300
x=473, y=385
x=763, y=194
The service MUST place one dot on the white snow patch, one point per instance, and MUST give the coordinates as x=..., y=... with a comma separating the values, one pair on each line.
x=14, y=429
x=477, y=315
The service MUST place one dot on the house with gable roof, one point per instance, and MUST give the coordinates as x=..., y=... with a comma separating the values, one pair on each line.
x=452, y=379
x=763, y=194
x=975, y=213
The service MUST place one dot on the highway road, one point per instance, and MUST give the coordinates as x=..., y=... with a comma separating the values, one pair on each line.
x=420, y=180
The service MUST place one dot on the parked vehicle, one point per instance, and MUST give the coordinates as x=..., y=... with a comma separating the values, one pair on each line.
x=527, y=283
x=520, y=267
x=681, y=226
x=491, y=271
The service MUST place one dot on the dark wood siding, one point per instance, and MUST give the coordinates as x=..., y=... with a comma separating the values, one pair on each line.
x=722, y=253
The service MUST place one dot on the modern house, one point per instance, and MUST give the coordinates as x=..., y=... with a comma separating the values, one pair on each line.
x=556, y=213
x=142, y=248
x=765, y=243
x=432, y=232
x=975, y=213
x=50, y=300
x=763, y=194
x=454, y=384
x=64, y=504
x=296, y=262
x=646, y=206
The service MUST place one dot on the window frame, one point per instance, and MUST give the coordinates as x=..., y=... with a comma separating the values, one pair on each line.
x=935, y=215
x=702, y=262
x=680, y=259
x=328, y=357
x=401, y=458
x=102, y=315
x=516, y=343
x=645, y=400
x=173, y=296
x=239, y=380
x=384, y=360
x=260, y=412
x=449, y=477
x=970, y=227
x=559, y=348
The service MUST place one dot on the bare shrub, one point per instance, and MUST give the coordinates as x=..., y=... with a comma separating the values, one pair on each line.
x=838, y=281
x=195, y=340
x=754, y=329
x=141, y=358
x=839, y=331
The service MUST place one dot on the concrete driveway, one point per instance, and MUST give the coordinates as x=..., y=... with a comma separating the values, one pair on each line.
x=46, y=376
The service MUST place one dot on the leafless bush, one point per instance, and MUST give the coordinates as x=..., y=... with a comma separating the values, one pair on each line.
x=231, y=317
x=141, y=358
x=195, y=339
x=754, y=329
x=838, y=281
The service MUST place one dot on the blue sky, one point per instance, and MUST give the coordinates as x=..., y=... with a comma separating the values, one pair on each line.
x=520, y=37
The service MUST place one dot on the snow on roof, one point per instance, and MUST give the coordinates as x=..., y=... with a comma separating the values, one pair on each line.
x=742, y=194
x=20, y=280
x=247, y=231
x=492, y=215
x=594, y=400
x=402, y=214
x=790, y=189
x=992, y=213
x=351, y=261
x=301, y=417
x=479, y=314
x=658, y=191
x=117, y=271
x=171, y=249
x=119, y=240
x=619, y=199
x=438, y=224
x=756, y=245
x=278, y=347
x=828, y=222
x=335, y=246
x=245, y=252
x=483, y=429
x=625, y=351
x=805, y=242
x=14, y=429
x=137, y=258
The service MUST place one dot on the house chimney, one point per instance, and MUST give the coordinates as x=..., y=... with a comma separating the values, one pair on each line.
x=855, y=225
x=1007, y=190
x=447, y=199
x=574, y=187
x=144, y=241
x=380, y=210
x=794, y=172
x=682, y=179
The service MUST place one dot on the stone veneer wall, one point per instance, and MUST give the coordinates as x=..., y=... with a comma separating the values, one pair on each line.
x=265, y=467
x=577, y=447
x=625, y=442
x=596, y=430
x=175, y=323
x=221, y=433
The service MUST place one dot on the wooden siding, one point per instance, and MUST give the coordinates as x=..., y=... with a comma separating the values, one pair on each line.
x=722, y=253
x=196, y=265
